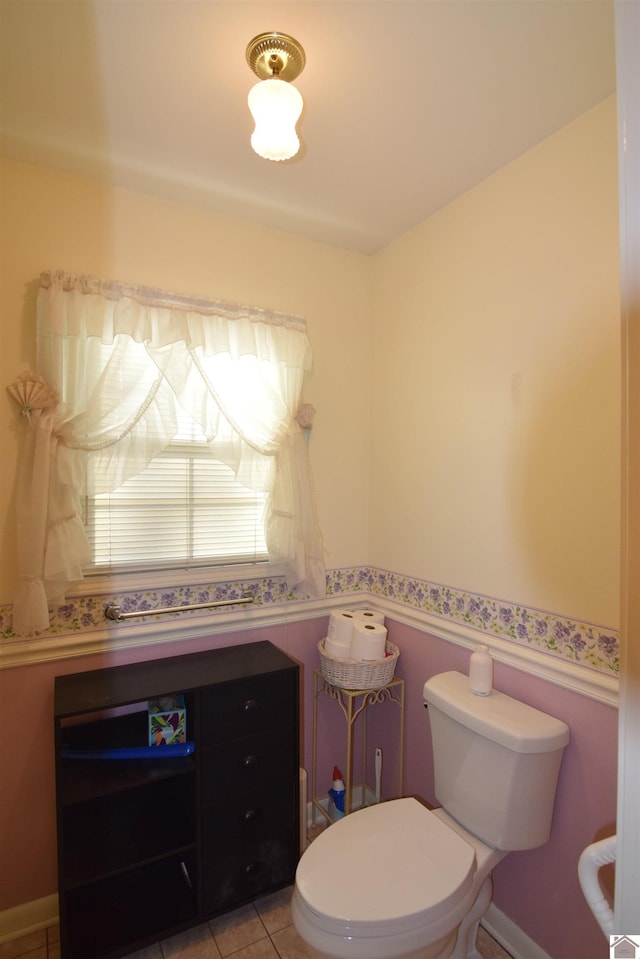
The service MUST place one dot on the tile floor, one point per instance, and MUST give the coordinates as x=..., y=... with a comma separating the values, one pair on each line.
x=260, y=930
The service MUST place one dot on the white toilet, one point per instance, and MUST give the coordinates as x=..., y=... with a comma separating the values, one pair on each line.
x=399, y=881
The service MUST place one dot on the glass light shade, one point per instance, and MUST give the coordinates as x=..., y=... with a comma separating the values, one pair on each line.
x=276, y=107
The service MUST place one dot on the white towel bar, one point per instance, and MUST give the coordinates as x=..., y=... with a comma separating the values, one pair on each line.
x=591, y=861
x=112, y=610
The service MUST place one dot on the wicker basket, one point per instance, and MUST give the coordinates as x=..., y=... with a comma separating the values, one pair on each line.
x=352, y=674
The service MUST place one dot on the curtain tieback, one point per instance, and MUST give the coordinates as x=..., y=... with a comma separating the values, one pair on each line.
x=32, y=393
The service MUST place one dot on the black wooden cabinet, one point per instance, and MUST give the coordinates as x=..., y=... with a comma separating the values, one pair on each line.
x=150, y=846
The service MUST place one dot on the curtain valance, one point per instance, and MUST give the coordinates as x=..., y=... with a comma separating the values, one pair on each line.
x=117, y=362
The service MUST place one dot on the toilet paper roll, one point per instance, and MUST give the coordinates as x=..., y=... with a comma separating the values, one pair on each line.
x=368, y=640
x=336, y=651
x=341, y=631
x=369, y=615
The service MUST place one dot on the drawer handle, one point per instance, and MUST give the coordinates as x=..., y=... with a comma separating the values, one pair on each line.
x=249, y=761
x=253, y=868
x=249, y=705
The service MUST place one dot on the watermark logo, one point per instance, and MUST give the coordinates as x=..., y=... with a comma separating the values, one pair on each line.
x=624, y=947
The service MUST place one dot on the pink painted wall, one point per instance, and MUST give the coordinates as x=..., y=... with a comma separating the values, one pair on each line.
x=538, y=889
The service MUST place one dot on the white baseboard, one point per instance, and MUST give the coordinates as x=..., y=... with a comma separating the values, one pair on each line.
x=27, y=918
x=510, y=936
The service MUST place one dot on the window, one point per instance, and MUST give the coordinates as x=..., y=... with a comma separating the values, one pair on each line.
x=162, y=429
x=186, y=509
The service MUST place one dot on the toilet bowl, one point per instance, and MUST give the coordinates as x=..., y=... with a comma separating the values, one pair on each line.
x=400, y=881
x=392, y=880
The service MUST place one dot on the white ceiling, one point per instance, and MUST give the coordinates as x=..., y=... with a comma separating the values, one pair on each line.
x=408, y=103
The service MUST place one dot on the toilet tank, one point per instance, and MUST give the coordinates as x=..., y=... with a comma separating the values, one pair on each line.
x=496, y=762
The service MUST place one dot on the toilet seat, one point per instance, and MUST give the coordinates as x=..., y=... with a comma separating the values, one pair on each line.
x=385, y=870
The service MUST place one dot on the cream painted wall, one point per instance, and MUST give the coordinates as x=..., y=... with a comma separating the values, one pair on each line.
x=496, y=438
x=54, y=221
x=475, y=361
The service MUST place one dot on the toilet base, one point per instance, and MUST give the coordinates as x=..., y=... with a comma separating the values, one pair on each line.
x=440, y=950
x=466, y=947
x=458, y=944
x=397, y=947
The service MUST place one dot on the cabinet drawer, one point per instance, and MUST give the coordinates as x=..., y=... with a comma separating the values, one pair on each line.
x=263, y=760
x=249, y=705
x=244, y=873
x=254, y=816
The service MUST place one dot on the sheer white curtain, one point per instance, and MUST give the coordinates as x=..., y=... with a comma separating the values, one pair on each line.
x=117, y=360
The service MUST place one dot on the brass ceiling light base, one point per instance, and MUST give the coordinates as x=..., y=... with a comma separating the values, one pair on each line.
x=276, y=55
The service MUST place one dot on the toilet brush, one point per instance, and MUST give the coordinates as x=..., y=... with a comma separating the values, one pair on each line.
x=378, y=772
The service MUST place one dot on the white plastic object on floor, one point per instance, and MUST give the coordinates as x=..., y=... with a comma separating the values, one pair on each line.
x=591, y=861
x=303, y=809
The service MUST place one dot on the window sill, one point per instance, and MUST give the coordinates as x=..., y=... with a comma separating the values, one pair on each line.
x=129, y=581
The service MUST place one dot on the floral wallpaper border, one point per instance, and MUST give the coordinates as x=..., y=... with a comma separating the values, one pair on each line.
x=577, y=642
x=86, y=613
x=583, y=643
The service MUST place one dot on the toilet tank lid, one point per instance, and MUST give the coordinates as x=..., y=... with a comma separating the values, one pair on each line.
x=500, y=718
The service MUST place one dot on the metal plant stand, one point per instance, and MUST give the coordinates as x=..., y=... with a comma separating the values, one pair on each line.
x=353, y=703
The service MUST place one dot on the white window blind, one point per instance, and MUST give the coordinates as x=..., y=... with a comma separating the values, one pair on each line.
x=185, y=509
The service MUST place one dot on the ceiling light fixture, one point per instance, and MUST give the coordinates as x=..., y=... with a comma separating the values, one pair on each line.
x=275, y=103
